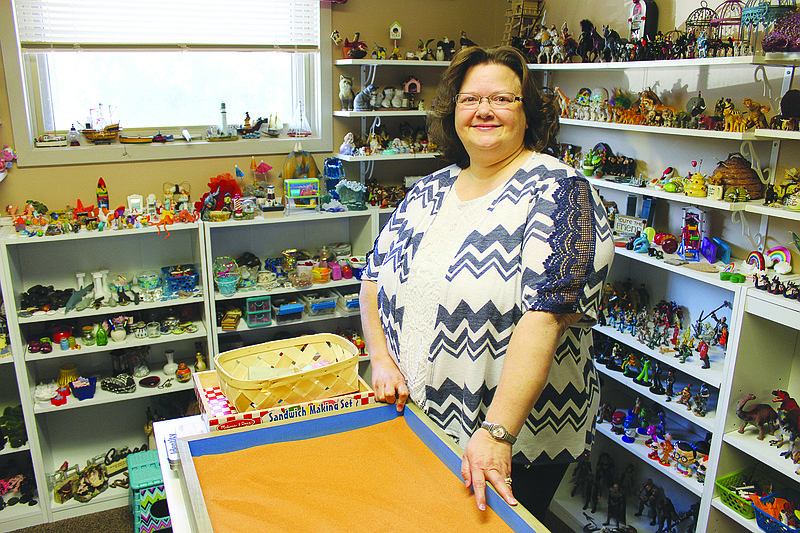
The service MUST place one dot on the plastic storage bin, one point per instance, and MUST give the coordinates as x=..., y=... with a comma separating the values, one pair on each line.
x=750, y=476
x=287, y=310
x=258, y=311
x=147, y=498
x=348, y=300
x=320, y=302
x=766, y=522
x=180, y=277
x=357, y=263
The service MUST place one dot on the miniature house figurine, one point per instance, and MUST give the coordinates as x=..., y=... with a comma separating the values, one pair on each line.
x=395, y=31
x=411, y=85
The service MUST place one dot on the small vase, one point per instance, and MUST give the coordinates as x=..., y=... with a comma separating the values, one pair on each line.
x=67, y=373
x=200, y=363
x=170, y=367
x=118, y=334
x=183, y=374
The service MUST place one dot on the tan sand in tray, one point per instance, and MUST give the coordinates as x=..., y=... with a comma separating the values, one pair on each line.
x=378, y=478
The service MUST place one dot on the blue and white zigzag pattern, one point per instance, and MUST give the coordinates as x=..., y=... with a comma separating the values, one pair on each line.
x=544, y=244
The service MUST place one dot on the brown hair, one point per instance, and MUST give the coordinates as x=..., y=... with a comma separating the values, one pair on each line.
x=540, y=110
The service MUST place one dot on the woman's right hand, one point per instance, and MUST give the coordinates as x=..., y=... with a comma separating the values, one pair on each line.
x=388, y=382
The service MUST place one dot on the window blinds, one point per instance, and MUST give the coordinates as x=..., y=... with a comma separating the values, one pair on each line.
x=277, y=24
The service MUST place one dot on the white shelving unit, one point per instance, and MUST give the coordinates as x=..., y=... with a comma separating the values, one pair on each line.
x=763, y=351
x=267, y=238
x=80, y=430
x=392, y=74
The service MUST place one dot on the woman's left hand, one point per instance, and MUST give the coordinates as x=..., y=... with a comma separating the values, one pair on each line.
x=486, y=459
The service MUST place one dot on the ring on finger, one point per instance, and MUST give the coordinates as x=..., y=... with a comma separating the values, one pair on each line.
x=508, y=480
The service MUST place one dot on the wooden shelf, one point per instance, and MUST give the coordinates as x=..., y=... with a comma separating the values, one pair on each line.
x=707, y=422
x=391, y=63
x=382, y=113
x=664, y=63
x=720, y=205
x=663, y=130
x=101, y=396
x=392, y=157
x=692, y=366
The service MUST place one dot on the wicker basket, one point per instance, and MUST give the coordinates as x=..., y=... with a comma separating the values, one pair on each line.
x=339, y=377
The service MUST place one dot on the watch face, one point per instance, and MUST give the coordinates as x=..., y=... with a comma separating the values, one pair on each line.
x=498, y=432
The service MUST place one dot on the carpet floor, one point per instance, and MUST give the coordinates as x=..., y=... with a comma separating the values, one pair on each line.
x=119, y=520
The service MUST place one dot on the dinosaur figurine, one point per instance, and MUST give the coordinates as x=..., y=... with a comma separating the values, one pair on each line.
x=761, y=415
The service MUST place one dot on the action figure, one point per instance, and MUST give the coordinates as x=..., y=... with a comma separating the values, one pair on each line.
x=666, y=515
x=703, y=349
x=686, y=397
x=604, y=471
x=670, y=391
x=582, y=470
x=656, y=387
x=616, y=506
x=648, y=495
x=591, y=493
x=701, y=400
x=626, y=480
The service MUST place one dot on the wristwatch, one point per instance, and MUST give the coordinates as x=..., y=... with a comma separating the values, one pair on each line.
x=499, y=432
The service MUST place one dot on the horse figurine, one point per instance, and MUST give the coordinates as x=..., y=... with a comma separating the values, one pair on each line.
x=591, y=43
x=546, y=46
x=613, y=44
x=570, y=45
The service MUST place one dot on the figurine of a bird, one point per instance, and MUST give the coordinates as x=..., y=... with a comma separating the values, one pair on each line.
x=465, y=41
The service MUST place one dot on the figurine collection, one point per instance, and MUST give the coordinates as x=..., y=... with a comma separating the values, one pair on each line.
x=621, y=491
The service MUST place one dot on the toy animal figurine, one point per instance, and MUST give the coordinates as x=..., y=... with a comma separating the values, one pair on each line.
x=380, y=51
x=756, y=114
x=465, y=41
x=761, y=415
x=363, y=99
x=355, y=49
x=346, y=95
x=612, y=49
x=591, y=44
x=388, y=94
x=546, y=46
x=397, y=99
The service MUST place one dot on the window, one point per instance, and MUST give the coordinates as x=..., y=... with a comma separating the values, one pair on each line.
x=164, y=66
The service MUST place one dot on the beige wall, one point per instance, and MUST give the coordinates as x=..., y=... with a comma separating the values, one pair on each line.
x=61, y=185
x=483, y=20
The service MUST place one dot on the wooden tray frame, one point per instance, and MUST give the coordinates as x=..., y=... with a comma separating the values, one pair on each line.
x=517, y=518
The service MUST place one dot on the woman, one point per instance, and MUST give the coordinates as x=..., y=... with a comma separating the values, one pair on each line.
x=480, y=291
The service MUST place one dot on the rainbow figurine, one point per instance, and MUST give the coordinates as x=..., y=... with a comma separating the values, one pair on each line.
x=730, y=268
x=756, y=261
x=781, y=259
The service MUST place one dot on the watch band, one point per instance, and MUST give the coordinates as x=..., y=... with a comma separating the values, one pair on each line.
x=498, y=432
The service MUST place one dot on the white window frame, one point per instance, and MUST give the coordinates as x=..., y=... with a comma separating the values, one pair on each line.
x=24, y=124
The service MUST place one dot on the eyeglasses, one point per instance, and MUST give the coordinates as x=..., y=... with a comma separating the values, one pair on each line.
x=496, y=101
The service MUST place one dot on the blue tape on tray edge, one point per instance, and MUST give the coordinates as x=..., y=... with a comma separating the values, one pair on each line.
x=453, y=462
x=309, y=429
x=300, y=430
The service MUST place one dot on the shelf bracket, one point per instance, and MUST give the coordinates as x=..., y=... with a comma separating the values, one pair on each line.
x=746, y=149
x=756, y=240
x=774, y=99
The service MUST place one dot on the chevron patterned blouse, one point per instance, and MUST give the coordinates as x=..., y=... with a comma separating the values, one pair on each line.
x=543, y=243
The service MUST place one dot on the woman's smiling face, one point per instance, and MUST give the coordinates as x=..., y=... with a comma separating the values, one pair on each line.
x=486, y=131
